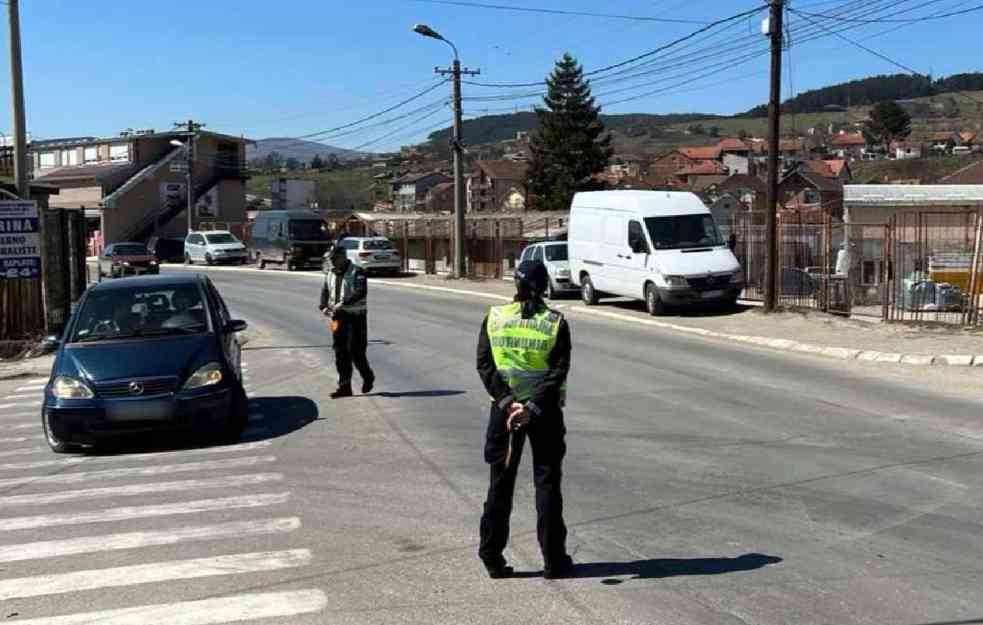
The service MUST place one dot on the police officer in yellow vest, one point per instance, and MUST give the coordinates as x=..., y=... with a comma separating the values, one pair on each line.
x=344, y=298
x=523, y=361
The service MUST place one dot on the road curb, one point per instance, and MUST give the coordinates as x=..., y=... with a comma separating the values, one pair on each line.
x=777, y=344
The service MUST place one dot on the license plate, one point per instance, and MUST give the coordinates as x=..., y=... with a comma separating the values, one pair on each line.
x=381, y=257
x=150, y=410
x=712, y=294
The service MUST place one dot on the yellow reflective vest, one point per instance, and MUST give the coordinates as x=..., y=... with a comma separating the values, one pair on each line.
x=521, y=347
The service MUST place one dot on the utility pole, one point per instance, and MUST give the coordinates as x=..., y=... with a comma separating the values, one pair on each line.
x=17, y=91
x=192, y=129
x=457, y=145
x=774, y=133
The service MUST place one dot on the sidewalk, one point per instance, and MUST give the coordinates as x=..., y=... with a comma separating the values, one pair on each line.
x=39, y=367
x=799, y=331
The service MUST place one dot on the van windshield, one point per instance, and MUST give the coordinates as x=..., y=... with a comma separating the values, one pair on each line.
x=683, y=231
x=307, y=230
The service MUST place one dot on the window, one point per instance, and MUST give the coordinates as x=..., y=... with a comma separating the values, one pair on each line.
x=140, y=311
x=69, y=158
x=556, y=252
x=811, y=196
x=221, y=238
x=871, y=273
x=538, y=254
x=91, y=155
x=683, y=231
x=130, y=249
x=307, y=230
x=636, y=238
x=378, y=244
x=47, y=160
x=349, y=244
x=119, y=153
x=526, y=254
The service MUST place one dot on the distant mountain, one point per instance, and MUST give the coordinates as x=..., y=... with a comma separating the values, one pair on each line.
x=495, y=128
x=299, y=149
x=872, y=90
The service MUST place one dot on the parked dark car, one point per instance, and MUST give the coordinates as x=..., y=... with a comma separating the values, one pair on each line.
x=127, y=259
x=166, y=249
x=294, y=239
x=142, y=355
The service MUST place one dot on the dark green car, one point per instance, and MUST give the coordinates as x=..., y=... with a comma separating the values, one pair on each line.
x=292, y=239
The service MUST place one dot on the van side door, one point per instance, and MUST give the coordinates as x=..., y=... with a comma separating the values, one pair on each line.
x=609, y=277
x=636, y=258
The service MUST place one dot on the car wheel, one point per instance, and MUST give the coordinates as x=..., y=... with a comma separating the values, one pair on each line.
x=653, y=303
x=208, y=259
x=551, y=291
x=260, y=262
x=56, y=444
x=291, y=267
x=238, y=417
x=587, y=292
x=187, y=259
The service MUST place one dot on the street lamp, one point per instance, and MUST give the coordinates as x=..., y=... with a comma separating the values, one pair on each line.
x=457, y=144
x=189, y=148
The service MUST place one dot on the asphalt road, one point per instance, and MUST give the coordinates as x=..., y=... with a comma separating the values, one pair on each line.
x=705, y=483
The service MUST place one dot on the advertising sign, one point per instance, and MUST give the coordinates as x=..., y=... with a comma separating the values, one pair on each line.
x=20, y=241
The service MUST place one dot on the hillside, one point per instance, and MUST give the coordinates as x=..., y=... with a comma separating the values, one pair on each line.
x=299, y=149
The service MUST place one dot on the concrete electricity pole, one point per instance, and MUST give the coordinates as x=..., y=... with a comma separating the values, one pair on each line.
x=192, y=129
x=774, y=133
x=17, y=91
x=460, y=204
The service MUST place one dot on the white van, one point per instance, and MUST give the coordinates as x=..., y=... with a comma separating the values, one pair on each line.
x=657, y=246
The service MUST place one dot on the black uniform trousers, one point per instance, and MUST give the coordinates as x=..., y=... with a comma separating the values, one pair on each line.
x=546, y=437
x=351, y=340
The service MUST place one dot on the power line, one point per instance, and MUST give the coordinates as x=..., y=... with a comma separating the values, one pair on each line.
x=503, y=7
x=924, y=18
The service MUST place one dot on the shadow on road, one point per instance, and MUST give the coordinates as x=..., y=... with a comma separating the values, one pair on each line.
x=672, y=567
x=280, y=416
x=411, y=394
x=704, y=310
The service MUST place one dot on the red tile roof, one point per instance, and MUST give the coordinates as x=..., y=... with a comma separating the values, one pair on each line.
x=504, y=169
x=826, y=169
x=729, y=144
x=706, y=168
x=848, y=139
x=968, y=137
x=701, y=153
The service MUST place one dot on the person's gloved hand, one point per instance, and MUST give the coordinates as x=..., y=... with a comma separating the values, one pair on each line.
x=518, y=416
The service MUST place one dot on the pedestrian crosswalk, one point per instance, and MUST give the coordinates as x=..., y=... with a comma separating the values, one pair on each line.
x=75, y=528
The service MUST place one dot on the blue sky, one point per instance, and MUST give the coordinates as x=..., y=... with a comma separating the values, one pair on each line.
x=300, y=66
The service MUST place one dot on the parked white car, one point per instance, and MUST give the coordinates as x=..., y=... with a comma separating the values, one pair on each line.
x=214, y=246
x=553, y=254
x=657, y=246
x=376, y=255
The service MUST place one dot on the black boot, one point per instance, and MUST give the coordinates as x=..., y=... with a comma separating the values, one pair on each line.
x=343, y=390
x=559, y=568
x=368, y=384
x=498, y=569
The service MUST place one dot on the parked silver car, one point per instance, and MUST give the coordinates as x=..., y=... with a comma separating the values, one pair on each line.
x=376, y=255
x=553, y=254
x=214, y=246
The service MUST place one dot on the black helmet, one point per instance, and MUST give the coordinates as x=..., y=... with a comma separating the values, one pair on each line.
x=532, y=276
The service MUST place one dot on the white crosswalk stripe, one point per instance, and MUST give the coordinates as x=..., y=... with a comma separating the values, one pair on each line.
x=159, y=469
x=40, y=464
x=206, y=612
x=74, y=528
x=136, y=540
x=133, y=490
x=43, y=585
x=142, y=512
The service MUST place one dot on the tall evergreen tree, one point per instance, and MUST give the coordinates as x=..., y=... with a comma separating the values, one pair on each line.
x=570, y=146
x=888, y=122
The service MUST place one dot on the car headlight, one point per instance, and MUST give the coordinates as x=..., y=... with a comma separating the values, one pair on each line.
x=737, y=277
x=65, y=387
x=676, y=281
x=209, y=375
x=126, y=263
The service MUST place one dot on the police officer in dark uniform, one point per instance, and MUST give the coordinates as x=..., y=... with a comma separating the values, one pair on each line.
x=344, y=298
x=523, y=361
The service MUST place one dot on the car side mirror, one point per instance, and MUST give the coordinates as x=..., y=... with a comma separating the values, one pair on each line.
x=638, y=246
x=50, y=344
x=236, y=325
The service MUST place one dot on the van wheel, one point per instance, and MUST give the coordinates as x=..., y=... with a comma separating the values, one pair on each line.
x=587, y=291
x=187, y=259
x=653, y=303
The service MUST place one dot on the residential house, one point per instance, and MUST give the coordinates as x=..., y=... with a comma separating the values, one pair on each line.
x=620, y=171
x=970, y=139
x=790, y=149
x=632, y=184
x=849, y=145
x=735, y=156
x=134, y=185
x=838, y=169
x=663, y=170
x=806, y=196
x=410, y=190
x=695, y=176
x=497, y=185
x=440, y=198
x=903, y=150
x=944, y=141
x=750, y=190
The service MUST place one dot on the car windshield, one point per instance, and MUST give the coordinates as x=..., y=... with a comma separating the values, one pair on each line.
x=377, y=244
x=223, y=237
x=683, y=231
x=120, y=313
x=556, y=252
x=307, y=230
x=133, y=249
